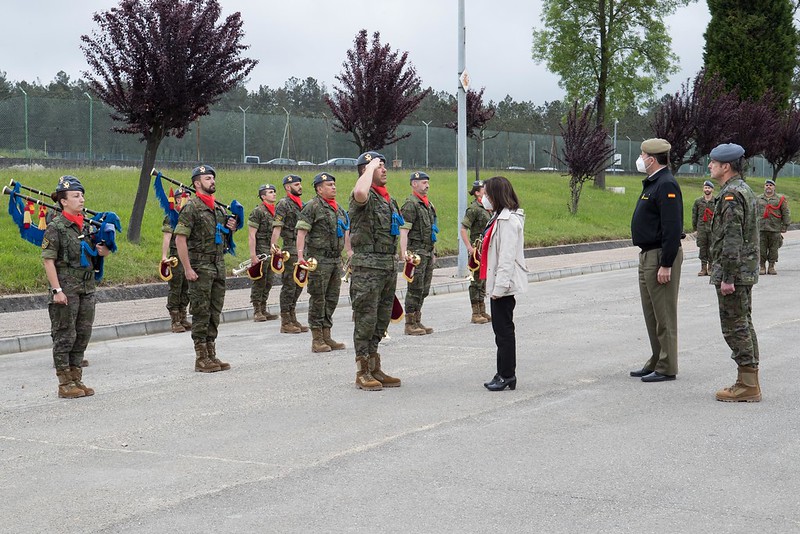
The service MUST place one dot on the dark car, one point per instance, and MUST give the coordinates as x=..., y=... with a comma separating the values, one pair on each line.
x=340, y=162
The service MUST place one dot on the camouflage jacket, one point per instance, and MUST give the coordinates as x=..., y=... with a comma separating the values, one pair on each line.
x=262, y=220
x=166, y=228
x=702, y=214
x=734, y=235
x=773, y=213
x=475, y=219
x=420, y=222
x=286, y=213
x=62, y=242
x=371, y=233
x=326, y=229
x=199, y=224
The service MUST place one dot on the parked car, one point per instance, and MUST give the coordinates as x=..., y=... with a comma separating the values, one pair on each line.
x=305, y=163
x=548, y=169
x=281, y=161
x=340, y=162
x=252, y=159
x=515, y=168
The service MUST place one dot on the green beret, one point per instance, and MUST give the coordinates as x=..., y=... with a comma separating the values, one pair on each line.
x=656, y=146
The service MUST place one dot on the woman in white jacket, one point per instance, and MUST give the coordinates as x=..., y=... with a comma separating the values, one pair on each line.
x=503, y=268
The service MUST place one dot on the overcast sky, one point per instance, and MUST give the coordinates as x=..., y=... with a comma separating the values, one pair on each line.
x=305, y=38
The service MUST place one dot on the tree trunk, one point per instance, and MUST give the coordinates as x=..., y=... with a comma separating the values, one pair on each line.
x=139, y=203
x=602, y=82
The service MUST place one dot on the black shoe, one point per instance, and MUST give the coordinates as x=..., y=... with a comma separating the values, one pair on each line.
x=493, y=380
x=502, y=383
x=657, y=377
x=641, y=372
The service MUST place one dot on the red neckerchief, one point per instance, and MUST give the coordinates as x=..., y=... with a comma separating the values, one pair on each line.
x=774, y=210
x=382, y=191
x=485, y=250
x=708, y=214
x=270, y=208
x=423, y=199
x=208, y=200
x=295, y=199
x=332, y=204
x=77, y=219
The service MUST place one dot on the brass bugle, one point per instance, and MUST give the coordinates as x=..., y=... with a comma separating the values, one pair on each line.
x=412, y=258
x=347, y=269
x=7, y=191
x=310, y=265
x=248, y=263
x=13, y=182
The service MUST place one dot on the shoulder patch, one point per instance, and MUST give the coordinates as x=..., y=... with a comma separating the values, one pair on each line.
x=278, y=217
x=729, y=197
x=45, y=242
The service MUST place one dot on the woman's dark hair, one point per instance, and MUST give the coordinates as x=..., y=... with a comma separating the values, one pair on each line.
x=57, y=196
x=501, y=193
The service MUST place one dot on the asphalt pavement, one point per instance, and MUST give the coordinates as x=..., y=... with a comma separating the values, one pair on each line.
x=284, y=442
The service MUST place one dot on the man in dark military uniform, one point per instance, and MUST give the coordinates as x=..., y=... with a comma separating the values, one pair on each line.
x=734, y=268
x=259, y=236
x=284, y=227
x=472, y=227
x=773, y=220
x=418, y=236
x=657, y=229
x=70, y=271
x=702, y=214
x=178, y=292
x=374, y=231
x=323, y=231
x=202, y=236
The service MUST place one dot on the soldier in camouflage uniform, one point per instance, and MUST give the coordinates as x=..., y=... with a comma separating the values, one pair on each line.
x=284, y=227
x=70, y=273
x=203, y=234
x=702, y=214
x=734, y=268
x=472, y=227
x=178, y=292
x=773, y=220
x=259, y=236
x=375, y=222
x=323, y=231
x=418, y=236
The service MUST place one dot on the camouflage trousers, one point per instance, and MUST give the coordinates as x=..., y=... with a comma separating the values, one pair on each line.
x=419, y=288
x=737, y=325
x=477, y=288
x=770, y=242
x=290, y=291
x=324, y=285
x=178, y=296
x=372, y=296
x=71, y=328
x=259, y=291
x=206, y=298
x=704, y=244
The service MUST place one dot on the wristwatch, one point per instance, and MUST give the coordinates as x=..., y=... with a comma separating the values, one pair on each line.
x=55, y=290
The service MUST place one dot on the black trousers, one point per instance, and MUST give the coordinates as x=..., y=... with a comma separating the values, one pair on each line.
x=503, y=325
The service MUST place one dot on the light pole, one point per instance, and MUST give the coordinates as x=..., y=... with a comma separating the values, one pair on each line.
x=462, y=133
x=426, y=142
x=285, y=134
x=327, y=130
x=614, y=160
x=26, y=120
x=244, y=133
x=91, y=102
x=629, y=152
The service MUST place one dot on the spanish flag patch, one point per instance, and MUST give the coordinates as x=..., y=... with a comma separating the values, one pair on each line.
x=729, y=197
x=670, y=195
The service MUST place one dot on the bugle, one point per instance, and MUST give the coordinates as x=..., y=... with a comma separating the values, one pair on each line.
x=347, y=269
x=410, y=266
x=234, y=210
x=245, y=265
x=301, y=270
x=474, y=260
x=165, y=268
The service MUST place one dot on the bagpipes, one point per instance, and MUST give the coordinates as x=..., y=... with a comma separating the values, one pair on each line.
x=301, y=270
x=474, y=260
x=410, y=266
x=254, y=271
x=234, y=210
x=104, y=224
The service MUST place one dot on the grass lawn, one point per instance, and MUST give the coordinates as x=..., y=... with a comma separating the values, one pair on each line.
x=602, y=215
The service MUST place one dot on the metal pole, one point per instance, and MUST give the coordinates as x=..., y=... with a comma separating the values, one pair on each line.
x=27, y=155
x=614, y=160
x=90, y=123
x=327, y=130
x=427, y=166
x=630, y=166
x=462, y=137
x=244, y=133
x=285, y=133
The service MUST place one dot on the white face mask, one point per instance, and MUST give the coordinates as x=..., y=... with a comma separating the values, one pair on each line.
x=486, y=203
x=640, y=166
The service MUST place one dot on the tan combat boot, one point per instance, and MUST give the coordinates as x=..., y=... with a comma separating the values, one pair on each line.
x=746, y=388
x=76, y=374
x=427, y=329
x=762, y=268
x=317, y=343
x=771, y=269
x=334, y=345
x=258, y=314
x=412, y=328
x=364, y=379
x=287, y=326
x=66, y=387
x=477, y=317
x=176, y=326
x=211, y=348
x=386, y=381
x=703, y=269
x=302, y=327
x=268, y=315
x=187, y=324
x=483, y=312
x=202, y=363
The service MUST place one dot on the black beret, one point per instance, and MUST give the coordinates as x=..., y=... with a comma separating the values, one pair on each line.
x=291, y=179
x=203, y=169
x=265, y=187
x=69, y=183
x=727, y=152
x=419, y=175
x=366, y=157
x=324, y=177
x=708, y=183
